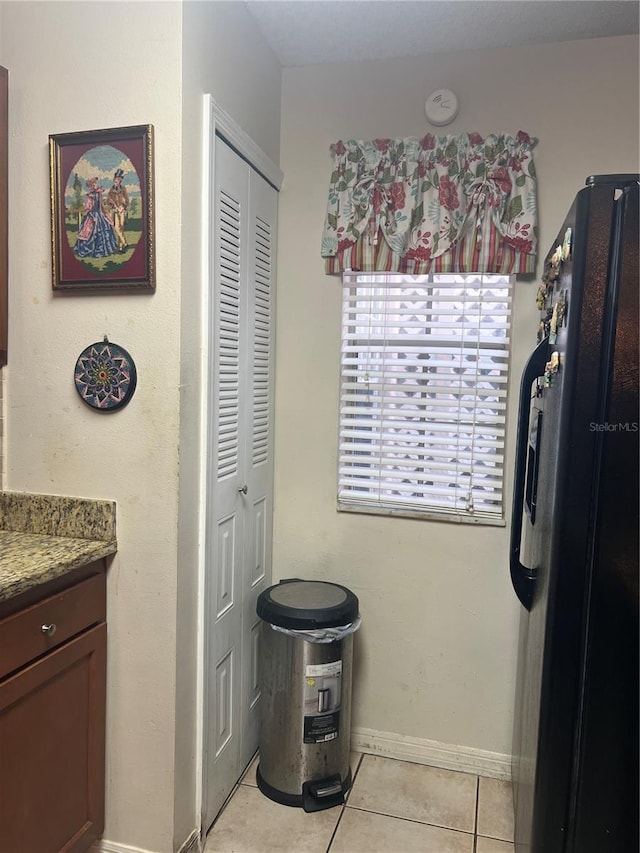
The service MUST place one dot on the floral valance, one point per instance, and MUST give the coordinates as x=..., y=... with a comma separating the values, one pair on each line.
x=438, y=204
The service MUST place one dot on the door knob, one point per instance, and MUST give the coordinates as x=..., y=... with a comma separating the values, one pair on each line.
x=243, y=489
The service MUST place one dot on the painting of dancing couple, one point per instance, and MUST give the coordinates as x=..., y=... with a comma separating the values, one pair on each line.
x=102, y=210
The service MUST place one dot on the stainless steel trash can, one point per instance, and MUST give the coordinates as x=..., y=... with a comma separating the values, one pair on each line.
x=305, y=662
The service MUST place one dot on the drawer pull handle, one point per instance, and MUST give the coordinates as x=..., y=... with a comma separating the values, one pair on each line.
x=49, y=630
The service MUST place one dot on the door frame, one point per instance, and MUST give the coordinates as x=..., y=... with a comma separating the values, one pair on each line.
x=216, y=122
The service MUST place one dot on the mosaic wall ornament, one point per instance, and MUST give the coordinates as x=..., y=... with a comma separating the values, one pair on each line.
x=105, y=376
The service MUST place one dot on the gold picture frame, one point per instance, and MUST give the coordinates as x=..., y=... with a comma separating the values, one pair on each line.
x=102, y=210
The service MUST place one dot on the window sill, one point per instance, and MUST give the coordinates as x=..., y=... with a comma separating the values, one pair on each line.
x=420, y=515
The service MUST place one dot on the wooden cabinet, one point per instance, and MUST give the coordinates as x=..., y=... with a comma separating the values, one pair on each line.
x=52, y=721
x=4, y=216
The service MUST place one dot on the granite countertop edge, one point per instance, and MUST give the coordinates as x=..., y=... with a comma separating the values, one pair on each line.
x=43, y=537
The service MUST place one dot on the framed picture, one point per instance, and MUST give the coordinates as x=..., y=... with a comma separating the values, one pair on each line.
x=102, y=210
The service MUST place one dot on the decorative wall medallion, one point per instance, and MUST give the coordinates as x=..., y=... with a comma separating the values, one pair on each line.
x=105, y=376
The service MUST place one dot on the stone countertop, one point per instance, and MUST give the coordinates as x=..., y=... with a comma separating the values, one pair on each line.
x=42, y=537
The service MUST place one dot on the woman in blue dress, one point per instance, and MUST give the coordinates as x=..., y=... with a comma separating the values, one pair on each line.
x=96, y=236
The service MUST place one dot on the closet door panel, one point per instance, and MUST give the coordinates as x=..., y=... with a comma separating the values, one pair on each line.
x=259, y=435
x=225, y=506
x=240, y=465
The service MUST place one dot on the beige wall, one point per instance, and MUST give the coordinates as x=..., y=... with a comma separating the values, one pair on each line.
x=435, y=655
x=227, y=56
x=2, y=427
x=3, y=372
x=82, y=66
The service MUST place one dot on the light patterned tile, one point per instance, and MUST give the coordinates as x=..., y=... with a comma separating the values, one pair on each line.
x=492, y=845
x=495, y=809
x=415, y=791
x=365, y=832
x=251, y=823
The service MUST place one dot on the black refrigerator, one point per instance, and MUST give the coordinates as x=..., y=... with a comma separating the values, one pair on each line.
x=574, y=538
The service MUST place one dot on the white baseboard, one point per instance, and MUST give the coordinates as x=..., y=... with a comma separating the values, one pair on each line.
x=105, y=846
x=420, y=751
x=191, y=845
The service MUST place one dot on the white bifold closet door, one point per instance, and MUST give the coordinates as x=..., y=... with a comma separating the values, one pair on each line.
x=240, y=465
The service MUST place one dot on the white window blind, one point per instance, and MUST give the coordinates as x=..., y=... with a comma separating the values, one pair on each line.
x=423, y=395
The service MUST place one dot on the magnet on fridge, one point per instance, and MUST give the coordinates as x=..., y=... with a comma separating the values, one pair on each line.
x=555, y=264
x=541, y=296
x=551, y=369
x=566, y=244
x=561, y=307
x=553, y=325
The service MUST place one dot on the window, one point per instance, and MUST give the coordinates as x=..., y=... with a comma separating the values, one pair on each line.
x=423, y=395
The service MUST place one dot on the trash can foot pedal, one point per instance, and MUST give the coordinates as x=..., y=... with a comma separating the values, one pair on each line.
x=322, y=794
x=316, y=795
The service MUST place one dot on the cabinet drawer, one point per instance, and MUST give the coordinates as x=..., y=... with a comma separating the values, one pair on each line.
x=48, y=623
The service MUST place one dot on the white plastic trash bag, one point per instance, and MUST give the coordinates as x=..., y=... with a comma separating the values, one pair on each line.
x=321, y=635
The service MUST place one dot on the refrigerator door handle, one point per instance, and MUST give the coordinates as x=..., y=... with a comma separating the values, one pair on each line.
x=523, y=578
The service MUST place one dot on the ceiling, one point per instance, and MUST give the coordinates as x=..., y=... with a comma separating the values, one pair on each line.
x=308, y=32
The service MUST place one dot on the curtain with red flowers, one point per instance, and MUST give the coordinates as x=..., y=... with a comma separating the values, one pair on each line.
x=438, y=204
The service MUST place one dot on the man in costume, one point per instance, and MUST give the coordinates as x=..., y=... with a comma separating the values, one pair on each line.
x=118, y=201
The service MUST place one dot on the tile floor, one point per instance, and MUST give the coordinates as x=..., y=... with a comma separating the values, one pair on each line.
x=393, y=807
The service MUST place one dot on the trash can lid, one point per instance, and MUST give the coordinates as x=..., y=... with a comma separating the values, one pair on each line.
x=300, y=604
